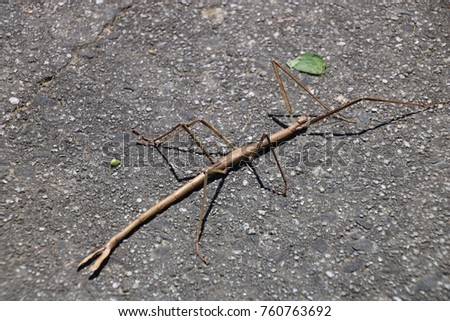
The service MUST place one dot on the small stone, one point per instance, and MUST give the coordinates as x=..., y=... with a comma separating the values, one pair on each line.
x=320, y=172
x=250, y=94
x=400, y=11
x=330, y=274
x=44, y=101
x=367, y=225
x=126, y=286
x=14, y=100
x=397, y=172
x=320, y=246
x=245, y=182
x=427, y=283
x=362, y=245
x=87, y=54
x=139, y=200
x=342, y=99
x=353, y=266
x=136, y=94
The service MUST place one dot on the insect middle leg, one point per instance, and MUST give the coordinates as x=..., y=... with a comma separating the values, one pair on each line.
x=266, y=137
x=187, y=128
x=263, y=143
x=201, y=218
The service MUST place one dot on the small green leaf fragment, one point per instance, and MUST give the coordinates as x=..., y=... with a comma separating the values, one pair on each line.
x=115, y=162
x=309, y=63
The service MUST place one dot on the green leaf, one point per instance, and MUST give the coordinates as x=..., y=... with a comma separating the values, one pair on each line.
x=115, y=162
x=309, y=63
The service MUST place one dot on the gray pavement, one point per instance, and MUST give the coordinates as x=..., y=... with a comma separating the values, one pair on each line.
x=367, y=213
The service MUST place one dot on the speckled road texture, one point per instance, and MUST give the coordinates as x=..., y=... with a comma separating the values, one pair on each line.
x=367, y=212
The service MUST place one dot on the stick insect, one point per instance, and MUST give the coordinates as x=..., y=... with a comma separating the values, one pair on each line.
x=235, y=158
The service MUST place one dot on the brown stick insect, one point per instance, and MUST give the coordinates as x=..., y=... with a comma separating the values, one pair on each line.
x=237, y=157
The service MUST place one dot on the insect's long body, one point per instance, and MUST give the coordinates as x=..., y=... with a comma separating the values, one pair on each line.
x=250, y=151
x=234, y=159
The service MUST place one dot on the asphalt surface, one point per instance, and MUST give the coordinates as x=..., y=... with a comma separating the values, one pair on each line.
x=367, y=212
